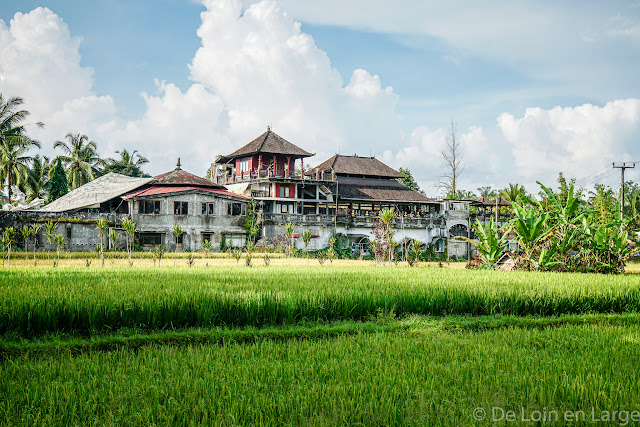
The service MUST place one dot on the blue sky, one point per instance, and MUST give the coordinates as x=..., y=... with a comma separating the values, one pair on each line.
x=535, y=88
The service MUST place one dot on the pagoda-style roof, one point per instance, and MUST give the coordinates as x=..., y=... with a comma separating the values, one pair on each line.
x=179, y=177
x=267, y=143
x=383, y=190
x=355, y=165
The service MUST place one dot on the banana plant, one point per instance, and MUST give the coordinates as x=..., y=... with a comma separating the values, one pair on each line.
x=529, y=225
x=489, y=244
x=546, y=261
x=566, y=212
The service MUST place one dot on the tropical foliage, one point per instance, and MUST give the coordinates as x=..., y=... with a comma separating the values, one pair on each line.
x=80, y=159
x=14, y=143
x=129, y=164
x=561, y=233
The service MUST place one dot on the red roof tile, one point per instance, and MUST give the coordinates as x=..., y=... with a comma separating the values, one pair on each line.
x=159, y=190
x=181, y=177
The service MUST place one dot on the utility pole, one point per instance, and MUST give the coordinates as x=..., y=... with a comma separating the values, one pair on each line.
x=622, y=166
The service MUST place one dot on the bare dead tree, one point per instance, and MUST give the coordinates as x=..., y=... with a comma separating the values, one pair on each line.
x=453, y=166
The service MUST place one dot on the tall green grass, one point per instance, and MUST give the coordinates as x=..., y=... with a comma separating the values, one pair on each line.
x=422, y=376
x=39, y=301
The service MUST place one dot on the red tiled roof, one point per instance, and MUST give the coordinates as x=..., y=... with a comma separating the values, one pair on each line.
x=181, y=177
x=159, y=190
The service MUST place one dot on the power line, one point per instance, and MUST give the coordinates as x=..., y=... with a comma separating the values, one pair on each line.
x=589, y=176
x=597, y=178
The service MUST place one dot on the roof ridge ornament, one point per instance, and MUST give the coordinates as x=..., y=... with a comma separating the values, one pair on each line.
x=178, y=164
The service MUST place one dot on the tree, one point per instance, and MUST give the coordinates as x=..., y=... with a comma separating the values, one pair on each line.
x=49, y=232
x=59, y=240
x=253, y=219
x=306, y=239
x=461, y=195
x=409, y=181
x=129, y=164
x=10, y=237
x=35, y=229
x=452, y=156
x=603, y=204
x=487, y=192
x=513, y=192
x=177, y=232
x=80, y=159
x=37, y=183
x=288, y=232
x=58, y=185
x=102, y=224
x=14, y=142
x=131, y=228
x=25, y=230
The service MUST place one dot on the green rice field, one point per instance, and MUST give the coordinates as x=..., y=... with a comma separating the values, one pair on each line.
x=311, y=345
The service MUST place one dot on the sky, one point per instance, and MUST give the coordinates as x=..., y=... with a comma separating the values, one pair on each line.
x=534, y=88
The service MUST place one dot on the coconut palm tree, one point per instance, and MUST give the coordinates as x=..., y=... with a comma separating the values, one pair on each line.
x=487, y=192
x=38, y=178
x=129, y=164
x=80, y=159
x=14, y=142
x=512, y=192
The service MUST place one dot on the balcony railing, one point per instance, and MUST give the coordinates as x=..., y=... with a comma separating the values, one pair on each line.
x=357, y=221
x=260, y=193
x=248, y=176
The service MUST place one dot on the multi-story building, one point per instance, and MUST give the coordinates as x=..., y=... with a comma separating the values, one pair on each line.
x=342, y=196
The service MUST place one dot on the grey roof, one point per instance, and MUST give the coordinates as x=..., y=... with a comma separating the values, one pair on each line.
x=387, y=190
x=355, y=165
x=93, y=193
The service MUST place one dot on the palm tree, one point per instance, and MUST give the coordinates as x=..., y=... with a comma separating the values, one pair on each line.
x=512, y=193
x=80, y=158
x=38, y=177
x=128, y=158
x=487, y=192
x=129, y=164
x=14, y=142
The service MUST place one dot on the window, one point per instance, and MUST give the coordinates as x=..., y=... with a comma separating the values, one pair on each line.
x=284, y=191
x=180, y=208
x=243, y=165
x=150, y=239
x=236, y=209
x=235, y=240
x=149, y=207
x=208, y=208
x=286, y=208
x=206, y=236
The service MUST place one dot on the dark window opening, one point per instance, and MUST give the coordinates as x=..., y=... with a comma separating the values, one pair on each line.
x=206, y=236
x=149, y=207
x=180, y=208
x=150, y=239
x=236, y=209
x=208, y=209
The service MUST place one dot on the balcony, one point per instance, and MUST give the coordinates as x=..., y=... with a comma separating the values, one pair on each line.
x=260, y=193
x=352, y=221
x=249, y=176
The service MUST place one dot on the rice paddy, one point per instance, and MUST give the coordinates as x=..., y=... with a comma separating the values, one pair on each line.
x=310, y=345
